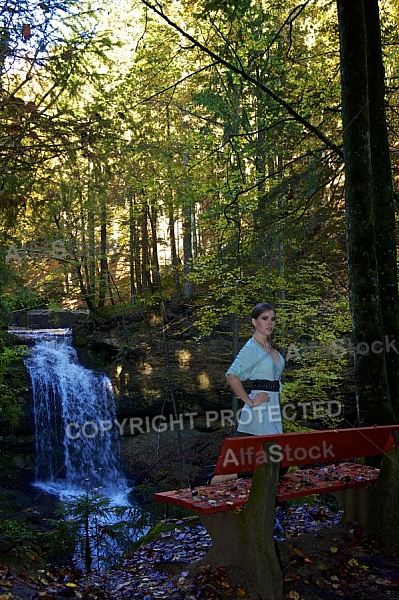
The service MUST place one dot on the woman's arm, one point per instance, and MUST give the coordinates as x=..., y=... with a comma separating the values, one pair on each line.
x=237, y=387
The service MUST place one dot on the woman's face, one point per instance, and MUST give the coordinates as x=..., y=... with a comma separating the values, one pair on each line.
x=265, y=323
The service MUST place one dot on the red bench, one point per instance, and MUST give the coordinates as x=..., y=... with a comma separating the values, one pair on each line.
x=239, y=514
x=244, y=454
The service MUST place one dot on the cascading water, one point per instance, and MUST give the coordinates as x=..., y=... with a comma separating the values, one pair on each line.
x=77, y=449
x=75, y=422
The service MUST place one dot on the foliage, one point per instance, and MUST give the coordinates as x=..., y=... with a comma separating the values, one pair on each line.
x=14, y=293
x=93, y=530
x=210, y=166
x=23, y=537
x=16, y=530
x=11, y=355
x=10, y=385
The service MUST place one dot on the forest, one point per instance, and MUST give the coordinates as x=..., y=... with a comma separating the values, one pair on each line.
x=209, y=154
x=196, y=150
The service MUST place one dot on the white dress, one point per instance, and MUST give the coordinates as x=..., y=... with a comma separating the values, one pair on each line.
x=253, y=362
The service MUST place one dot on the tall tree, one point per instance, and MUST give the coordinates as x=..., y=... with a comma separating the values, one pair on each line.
x=367, y=322
x=383, y=199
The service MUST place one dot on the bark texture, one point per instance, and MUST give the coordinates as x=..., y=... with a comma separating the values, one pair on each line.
x=384, y=209
x=370, y=366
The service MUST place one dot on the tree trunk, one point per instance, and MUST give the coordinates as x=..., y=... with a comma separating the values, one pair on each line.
x=90, y=259
x=171, y=218
x=103, y=255
x=153, y=217
x=370, y=370
x=173, y=248
x=187, y=248
x=131, y=252
x=84, y=292
x=138, y=257
x=383, y=198
x=145, y=272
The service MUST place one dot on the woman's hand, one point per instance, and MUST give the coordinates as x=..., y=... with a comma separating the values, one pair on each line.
x=254, y=399
x=260, y=398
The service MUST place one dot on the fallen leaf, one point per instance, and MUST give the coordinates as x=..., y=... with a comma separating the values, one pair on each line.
x=385, y=582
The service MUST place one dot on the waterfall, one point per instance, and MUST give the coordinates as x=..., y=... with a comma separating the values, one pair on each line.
x=76, y=430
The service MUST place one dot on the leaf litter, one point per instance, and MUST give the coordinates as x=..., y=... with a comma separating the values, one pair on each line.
x=322, y=558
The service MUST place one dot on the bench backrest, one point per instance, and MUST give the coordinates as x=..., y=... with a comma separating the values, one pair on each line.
x=244, y=454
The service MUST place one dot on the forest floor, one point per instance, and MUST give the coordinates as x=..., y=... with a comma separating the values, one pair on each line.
x=322, y=557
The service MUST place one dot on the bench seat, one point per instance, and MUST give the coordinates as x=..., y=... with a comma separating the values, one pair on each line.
x=233, y=495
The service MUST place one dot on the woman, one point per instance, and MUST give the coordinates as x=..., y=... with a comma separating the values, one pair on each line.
x=261, y=363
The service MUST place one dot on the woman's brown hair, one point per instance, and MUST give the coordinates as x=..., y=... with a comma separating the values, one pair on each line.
x=261, y=308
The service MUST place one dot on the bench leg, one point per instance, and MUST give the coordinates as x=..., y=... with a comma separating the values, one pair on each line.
x=376, y=508
x=243, y=541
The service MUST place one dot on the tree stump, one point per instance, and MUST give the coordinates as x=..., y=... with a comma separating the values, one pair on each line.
x=376, y=508
x=243, y=541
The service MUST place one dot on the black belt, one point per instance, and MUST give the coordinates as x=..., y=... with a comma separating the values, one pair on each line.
x=265, y=385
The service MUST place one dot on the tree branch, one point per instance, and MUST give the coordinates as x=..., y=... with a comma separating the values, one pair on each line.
x=240, y=71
